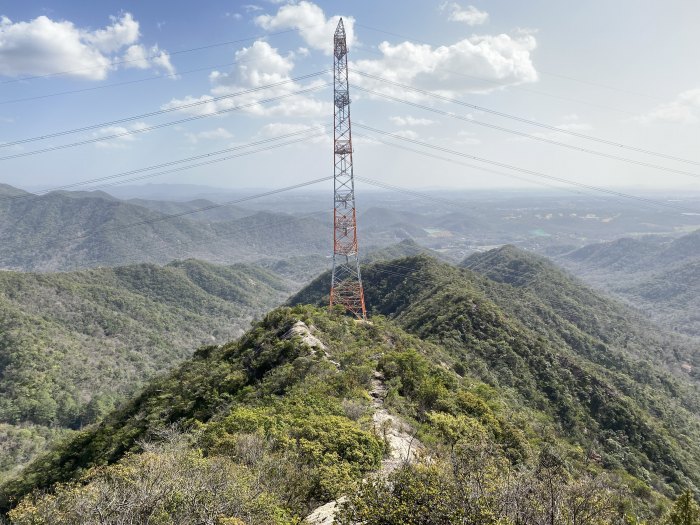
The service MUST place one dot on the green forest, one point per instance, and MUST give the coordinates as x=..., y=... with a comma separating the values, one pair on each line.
x=73, y=345
x=520, y=408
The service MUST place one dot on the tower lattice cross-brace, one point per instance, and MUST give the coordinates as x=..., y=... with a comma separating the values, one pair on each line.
x=346, y=282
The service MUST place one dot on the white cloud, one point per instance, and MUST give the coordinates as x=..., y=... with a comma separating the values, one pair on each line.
x=407, y=133
x=311, y=22
x=137, y=56
x=450, y=69
x=43, y=46
x=466, y=138
x=469, y=15
x=121, y=33
x=161, y=59
x=275, y=129
x=123, y=140
x=258, y=65
x=572, y=122
x=212, y=134
x=411, y=121
x=685, y=109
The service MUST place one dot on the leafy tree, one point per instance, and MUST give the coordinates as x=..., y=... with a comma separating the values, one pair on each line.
x=167, y=484
x=685, y=511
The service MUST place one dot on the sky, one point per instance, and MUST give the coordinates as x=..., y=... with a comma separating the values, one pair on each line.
x=470, y=78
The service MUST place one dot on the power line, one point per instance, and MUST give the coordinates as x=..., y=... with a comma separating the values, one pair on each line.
x=209, y=162
x=439, y=200
x=530, y=135
x=161, y=111
x=530, y=172
x=526, y=121
x=458, y=163
x=170, y=163
x=118, y=62
x=113, y=84
x=125, y=83
x=160, y=126
x=604, y=86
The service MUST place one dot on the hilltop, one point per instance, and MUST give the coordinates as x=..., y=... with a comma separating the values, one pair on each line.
x=567, y=297
x=283, y=421
x=72, y=345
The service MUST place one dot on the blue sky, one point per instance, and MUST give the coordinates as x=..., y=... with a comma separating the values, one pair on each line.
x=625, y=71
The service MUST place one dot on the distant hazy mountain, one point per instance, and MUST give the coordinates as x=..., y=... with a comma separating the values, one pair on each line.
x=658, y=275
x=303, y=268
x=171, y=192
x=10, y=191
x=72, y=230
x=224, y=213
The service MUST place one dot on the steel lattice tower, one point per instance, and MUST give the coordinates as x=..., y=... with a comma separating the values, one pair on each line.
x=346, y=282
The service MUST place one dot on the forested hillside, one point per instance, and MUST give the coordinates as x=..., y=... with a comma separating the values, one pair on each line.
x=611, y=396
x=266, y=429
x=74, y=344
x=62, y=231
x=490, y=370
x=568, y=298
x=660, y=276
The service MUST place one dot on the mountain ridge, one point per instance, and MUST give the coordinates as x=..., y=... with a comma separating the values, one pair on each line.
x=658, y=276
x=74, y=344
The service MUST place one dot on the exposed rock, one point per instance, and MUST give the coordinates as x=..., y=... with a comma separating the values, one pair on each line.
x=304, y=333
x=324, y=515
x=403, y=445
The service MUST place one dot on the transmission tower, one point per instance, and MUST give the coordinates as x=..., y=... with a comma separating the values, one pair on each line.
x=346, y=283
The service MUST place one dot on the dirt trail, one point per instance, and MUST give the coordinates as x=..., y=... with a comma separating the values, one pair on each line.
x=404, y=447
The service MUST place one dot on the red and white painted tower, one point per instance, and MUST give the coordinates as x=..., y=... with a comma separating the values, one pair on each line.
x=346, y=282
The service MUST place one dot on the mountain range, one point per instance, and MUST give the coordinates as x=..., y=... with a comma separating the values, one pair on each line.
x=546, y=385
x=658, y=275
x=62, y=231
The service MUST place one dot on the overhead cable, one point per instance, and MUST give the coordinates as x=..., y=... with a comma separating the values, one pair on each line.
x=608, y=191
x=170, y=163
x=531, y=135
x=141, y=59
x=163, y=125
x=180, y=107
x=525, y=120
